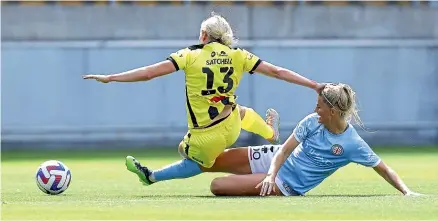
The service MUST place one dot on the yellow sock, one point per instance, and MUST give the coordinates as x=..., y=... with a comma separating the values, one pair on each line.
x=253, y=122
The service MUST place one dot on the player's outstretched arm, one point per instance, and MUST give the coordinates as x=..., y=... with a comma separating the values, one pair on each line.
x=139, y=74
x=287, y=75
x=268, y=184
x=392, y=178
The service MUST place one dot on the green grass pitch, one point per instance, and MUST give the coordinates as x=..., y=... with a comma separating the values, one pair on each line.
x=102, y=188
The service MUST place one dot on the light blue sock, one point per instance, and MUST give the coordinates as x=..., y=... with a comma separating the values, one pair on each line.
x=178, y=170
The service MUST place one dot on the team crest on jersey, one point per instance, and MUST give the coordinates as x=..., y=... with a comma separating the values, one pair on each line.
x=337, y=150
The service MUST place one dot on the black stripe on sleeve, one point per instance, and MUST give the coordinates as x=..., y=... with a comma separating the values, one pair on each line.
x=255, y=66
x=192, y=115
x=174, y=63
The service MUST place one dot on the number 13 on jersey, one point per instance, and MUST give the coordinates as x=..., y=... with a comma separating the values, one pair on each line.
x=227, y=80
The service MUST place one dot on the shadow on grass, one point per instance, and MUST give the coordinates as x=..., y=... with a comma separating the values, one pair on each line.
x=182, y=196
x=353, y=195
x=253, y=197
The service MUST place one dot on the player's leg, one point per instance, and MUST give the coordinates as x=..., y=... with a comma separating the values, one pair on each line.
x=201, y=146
x=234, y=160
x=259, y=159
x=253, y=122
x=239, y=185
x=244, y=160
x=179, y=170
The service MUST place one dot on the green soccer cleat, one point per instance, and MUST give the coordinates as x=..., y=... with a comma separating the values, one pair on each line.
x=142, y=172
x=273, y=120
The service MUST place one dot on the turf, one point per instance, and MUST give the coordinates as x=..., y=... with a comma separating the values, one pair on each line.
x=102, y=189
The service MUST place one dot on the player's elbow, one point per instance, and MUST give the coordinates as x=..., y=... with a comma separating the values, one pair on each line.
x=151, y=74
x=276, y=72
x=146, y=77
x=280, y=73
x=144, y=74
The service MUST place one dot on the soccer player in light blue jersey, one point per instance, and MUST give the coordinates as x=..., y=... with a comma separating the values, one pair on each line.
x=321, y=143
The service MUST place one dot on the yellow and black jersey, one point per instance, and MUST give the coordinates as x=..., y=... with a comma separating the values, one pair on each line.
x=213, y=72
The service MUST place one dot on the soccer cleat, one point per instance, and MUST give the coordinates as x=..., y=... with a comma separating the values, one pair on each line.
x=273, y=120
x=142, y=172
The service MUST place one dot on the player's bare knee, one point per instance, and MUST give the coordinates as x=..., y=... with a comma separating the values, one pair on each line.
x=216, y=186
x=181, y=151
x=242, y=111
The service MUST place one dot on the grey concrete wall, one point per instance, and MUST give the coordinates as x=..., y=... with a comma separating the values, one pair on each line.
x=55, y=22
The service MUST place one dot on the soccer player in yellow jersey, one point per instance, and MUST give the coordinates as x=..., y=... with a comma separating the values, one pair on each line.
x=213, y=71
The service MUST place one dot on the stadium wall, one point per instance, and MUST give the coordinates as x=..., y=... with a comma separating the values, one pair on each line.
x=45, y=101
x=110, y=22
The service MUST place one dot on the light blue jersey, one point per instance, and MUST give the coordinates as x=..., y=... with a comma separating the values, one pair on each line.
x=319, y=154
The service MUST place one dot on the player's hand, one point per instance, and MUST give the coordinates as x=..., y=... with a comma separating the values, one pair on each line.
x=413, y=194
x=267, y=186
x=319, y=87
x=100, y=78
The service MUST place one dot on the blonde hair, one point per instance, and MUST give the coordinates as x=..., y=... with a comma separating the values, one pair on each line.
x=218, y=29
x=343, y=98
